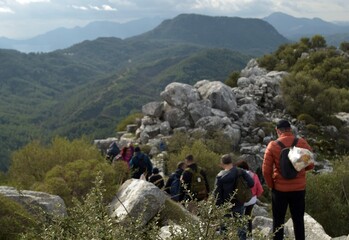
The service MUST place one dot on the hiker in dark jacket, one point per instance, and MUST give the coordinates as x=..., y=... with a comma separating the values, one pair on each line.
x=156, y=178
x=177, y=196
x=186, y=180
x=112, y=151
x=140, y=164
x=225, y=186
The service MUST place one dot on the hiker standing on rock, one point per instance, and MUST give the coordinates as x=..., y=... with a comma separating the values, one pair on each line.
x=285, y=192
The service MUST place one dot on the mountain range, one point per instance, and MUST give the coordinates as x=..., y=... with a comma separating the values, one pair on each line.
x=88, y=88
x=294, y=28
x=290, y=27
x=61, y=38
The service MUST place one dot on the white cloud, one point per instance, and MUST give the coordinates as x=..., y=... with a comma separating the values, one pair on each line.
x=108, y=8
x=23, y=2
x=79, y=7
x=6, y=10
x=102, y=8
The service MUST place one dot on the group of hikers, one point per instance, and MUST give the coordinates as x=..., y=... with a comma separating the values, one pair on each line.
x=189, y=183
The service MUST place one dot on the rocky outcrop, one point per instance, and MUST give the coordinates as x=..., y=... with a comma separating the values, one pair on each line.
x=213, y=106
x=36, y=202
x=137, y=198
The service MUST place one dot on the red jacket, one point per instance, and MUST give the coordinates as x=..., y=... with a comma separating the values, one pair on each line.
x=271, y=170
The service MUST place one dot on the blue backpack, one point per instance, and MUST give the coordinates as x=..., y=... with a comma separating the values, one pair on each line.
x=175, y=188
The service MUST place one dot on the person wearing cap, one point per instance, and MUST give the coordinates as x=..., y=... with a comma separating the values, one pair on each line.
x=285, y=192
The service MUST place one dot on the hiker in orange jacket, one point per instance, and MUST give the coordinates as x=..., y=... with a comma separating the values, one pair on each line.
x=285, y=192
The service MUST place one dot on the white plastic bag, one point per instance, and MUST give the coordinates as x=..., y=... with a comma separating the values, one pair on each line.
x=300, y=157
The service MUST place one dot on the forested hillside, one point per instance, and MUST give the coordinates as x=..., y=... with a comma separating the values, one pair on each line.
x=251, y=36
x=87, y=88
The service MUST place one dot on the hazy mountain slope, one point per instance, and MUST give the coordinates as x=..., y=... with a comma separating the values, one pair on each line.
x=253, y=36
x=61, y=38
x=294, y=28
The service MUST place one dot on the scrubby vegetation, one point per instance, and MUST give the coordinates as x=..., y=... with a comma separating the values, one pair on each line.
x=65, y=168
x=319, y=77
x=316, y=88
x=327, y=198
x=14, y=219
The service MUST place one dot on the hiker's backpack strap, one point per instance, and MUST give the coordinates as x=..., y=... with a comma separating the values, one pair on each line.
x=294, y=143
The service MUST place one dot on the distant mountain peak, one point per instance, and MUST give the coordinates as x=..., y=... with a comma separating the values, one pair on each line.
x=294, y=27
x=242, y=34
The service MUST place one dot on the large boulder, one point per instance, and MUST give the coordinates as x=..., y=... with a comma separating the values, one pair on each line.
x=220, y=95
x=313, y=230
x=176, y=117
x=180, y=94
x=36, y=202
x=137, y=198
x=153, y=109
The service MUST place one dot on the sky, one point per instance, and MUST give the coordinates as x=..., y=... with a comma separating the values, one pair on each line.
x=21, y=19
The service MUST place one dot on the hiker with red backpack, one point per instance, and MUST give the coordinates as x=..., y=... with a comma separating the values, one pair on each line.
x=287, y=191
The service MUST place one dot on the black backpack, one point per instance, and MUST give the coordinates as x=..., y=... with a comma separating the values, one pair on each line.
x=286, y=168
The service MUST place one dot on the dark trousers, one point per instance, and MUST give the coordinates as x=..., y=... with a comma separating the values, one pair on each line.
x=248, y=212
x=296, y=202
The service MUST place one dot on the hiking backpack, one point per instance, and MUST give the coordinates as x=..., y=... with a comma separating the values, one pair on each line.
x=198, y=186
x=287, y=169
x=142, y=166
x=243, y=192
x=175, y=188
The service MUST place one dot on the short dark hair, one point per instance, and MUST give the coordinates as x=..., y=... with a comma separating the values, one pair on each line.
x=189, y=158
x=226, y=159
x=180, y=164
x=242, y=164
x=283, y=124
x=155, y=170
x=137, y=149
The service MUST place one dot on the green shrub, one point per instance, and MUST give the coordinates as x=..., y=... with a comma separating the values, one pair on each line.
x=218, y=142
x=233, y=79
x=178, y=141
x=332, y=120
x=14, y=219
x=327, y=198
x=267, y=127
x=31, y=163
x=204, y=157
x=312, y=128
x=75, y=179
x=306, y=118
x=130, y=119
